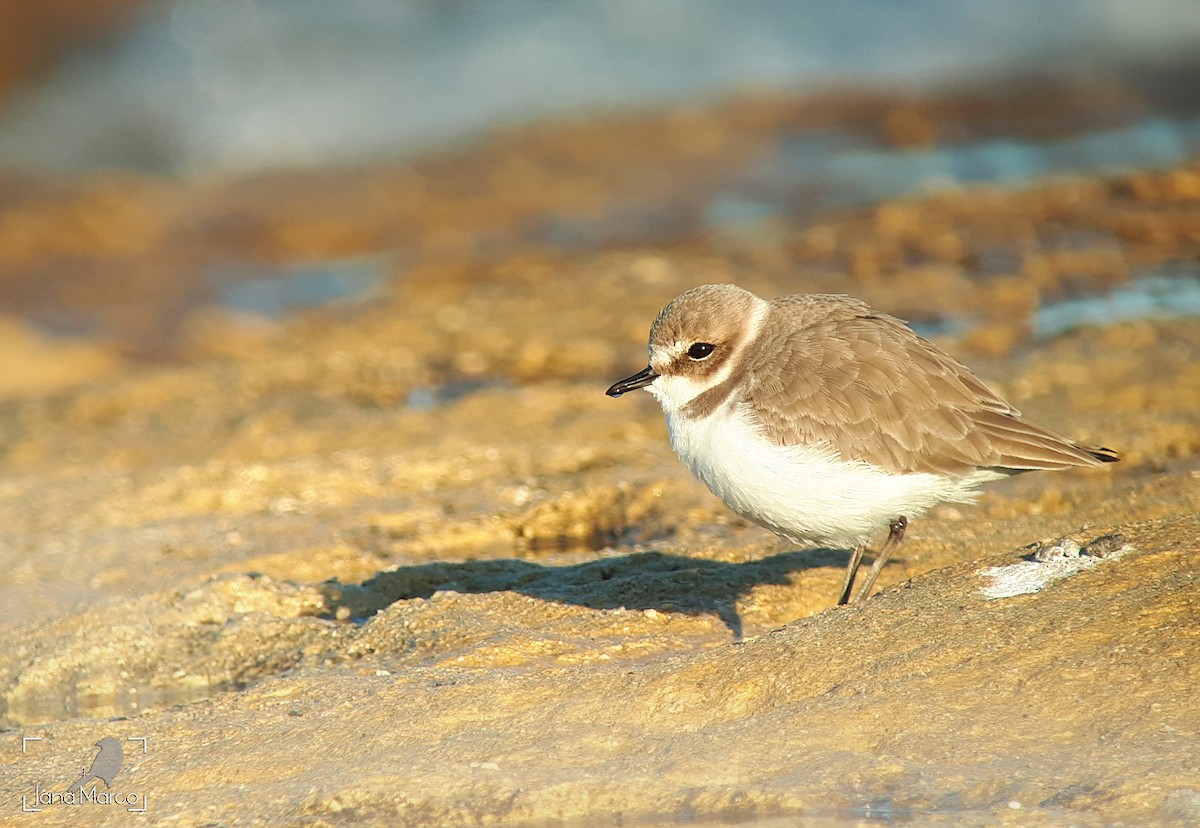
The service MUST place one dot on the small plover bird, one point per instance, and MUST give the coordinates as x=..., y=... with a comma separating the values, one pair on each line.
x=825, y=420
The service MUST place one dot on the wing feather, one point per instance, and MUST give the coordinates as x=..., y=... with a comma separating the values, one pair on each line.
x=868, y=386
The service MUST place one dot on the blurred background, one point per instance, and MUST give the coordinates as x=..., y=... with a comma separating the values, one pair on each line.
x=166, y=167
x=203, y=86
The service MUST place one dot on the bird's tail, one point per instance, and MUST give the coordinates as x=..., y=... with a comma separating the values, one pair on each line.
x=1104, y=455
x=83, y=780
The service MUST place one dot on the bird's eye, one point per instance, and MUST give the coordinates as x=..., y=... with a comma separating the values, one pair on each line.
x=701, y=350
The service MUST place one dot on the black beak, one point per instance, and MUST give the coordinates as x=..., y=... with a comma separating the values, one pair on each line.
x=639, y=380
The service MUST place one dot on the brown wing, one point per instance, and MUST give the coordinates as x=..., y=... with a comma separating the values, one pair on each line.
x=867, y=385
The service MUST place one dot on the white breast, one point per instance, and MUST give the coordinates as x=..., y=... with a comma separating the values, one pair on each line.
x=805, y=493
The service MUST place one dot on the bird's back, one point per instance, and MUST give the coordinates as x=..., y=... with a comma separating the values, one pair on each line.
x=831, y=370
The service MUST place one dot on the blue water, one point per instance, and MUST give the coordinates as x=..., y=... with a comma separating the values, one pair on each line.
x=874, y=174
x=815, y=173
x=274, y=292
x=222, y=85
x=1167, y=292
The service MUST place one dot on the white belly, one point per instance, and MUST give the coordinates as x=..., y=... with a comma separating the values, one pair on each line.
x=805, y=493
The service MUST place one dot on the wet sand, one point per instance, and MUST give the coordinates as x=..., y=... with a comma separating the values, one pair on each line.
x=400, y=559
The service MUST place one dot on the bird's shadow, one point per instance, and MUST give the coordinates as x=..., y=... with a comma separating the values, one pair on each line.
x=643, y=580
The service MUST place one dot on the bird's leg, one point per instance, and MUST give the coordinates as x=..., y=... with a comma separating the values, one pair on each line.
x=851, y=571
x=895, y=535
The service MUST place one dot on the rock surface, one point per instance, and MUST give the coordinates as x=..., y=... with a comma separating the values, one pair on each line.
x=401, y=561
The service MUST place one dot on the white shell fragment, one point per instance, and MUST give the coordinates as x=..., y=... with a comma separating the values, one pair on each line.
x=1050, y=561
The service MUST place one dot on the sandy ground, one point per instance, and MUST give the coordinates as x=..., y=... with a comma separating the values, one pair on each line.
x=402, y=560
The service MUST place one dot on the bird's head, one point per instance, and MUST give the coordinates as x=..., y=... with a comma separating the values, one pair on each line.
x=696, y=342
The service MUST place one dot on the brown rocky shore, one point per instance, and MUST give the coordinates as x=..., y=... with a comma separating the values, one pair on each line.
x=396, y=559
